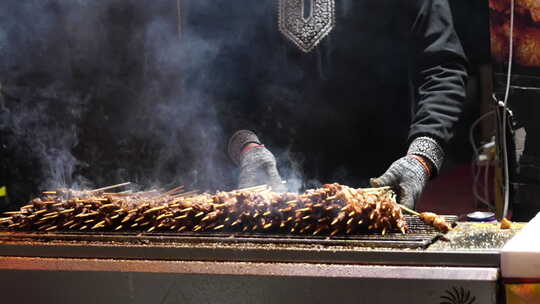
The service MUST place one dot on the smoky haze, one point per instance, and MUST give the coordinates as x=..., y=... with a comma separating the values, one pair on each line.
x=102, y=92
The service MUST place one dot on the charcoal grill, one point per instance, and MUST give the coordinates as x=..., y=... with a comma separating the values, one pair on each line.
x=420, y=235
x=138, y=267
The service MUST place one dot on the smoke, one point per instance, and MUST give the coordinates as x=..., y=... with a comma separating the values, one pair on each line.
x=105, y=92
x=111, y=91
x=31, y=118
x=184, y=121
x=291, y=170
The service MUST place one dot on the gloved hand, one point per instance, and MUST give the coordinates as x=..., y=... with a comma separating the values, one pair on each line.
x=257, y=164
x=409, y=175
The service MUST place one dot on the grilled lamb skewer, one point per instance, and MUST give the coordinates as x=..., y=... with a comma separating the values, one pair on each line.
x=431, y=219
x=436, y=221
x=332, y=209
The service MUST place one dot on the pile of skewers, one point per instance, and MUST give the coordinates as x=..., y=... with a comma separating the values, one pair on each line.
x=330, y=210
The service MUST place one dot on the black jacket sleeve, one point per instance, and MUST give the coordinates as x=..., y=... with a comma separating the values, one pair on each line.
x=439, y=72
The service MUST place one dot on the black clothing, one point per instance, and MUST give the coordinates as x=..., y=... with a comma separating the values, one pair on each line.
x=343, y=109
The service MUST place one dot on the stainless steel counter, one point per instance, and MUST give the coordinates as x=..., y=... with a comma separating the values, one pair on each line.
x=145, y=268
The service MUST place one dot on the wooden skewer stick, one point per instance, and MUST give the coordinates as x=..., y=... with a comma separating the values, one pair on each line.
x=68, y=223
x=83, y=215
x=13, y=212
x=408, y=210
x=108, y=205
x=318, y=230
x=385, y=188
x=164, y=216
x=127, y=218
x=99, y=225
x=187, y=194
x=254, y=188
x=40, y=211
x=111, y=187
x=14, y=225
x=174, y=190
x=155, y=209
x=51, y=228
x=123, y=193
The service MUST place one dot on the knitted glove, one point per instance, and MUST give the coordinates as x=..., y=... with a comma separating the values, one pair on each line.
x=409, y=175
x=257, y=164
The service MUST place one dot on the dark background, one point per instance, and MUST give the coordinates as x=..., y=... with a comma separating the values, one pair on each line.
x=92, y=94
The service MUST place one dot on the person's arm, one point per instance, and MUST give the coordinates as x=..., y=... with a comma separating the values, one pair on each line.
x=439, y=69
x=440, y=74
x=257, y=164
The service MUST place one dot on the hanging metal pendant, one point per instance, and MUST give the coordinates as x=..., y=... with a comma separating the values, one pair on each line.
x=306, y=30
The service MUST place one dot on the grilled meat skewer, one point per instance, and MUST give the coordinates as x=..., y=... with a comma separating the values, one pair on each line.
x=431, y=219
x=332, y=209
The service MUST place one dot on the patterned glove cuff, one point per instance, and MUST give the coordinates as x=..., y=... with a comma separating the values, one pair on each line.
x=238, y=141
x=430, y=149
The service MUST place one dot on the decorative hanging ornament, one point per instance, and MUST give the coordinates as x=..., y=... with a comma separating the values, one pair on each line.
x=306, y=26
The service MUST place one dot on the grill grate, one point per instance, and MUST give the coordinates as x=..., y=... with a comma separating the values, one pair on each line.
x=420, y=235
